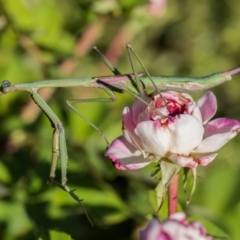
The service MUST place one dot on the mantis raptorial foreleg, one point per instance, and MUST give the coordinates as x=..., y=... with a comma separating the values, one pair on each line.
x=59, y=148
x=59, y=144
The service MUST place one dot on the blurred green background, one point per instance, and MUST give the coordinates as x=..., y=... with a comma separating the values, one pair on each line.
x=52, y=39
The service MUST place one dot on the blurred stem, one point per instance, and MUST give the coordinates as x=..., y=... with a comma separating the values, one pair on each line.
x=173, y=195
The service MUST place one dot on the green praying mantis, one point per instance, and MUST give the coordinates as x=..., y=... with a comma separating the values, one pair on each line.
x=134, y=83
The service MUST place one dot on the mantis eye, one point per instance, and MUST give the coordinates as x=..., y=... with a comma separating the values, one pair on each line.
x=5, y=85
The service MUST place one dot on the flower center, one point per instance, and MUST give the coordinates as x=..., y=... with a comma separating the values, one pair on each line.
x=167, y=109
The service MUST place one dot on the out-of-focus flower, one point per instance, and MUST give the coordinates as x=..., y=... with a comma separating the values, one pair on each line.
x=175, y=228
x=172, y=127
x=156, y=7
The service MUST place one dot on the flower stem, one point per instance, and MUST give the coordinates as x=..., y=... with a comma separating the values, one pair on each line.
x=173, y=195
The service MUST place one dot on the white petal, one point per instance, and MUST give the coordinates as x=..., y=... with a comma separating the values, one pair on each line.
x=187, y=133
x=214, y=143
x=217, y=133
x=197, y=113
x=154, y=138
x=125, y=156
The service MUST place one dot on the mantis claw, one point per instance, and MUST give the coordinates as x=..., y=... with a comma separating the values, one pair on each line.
x=74, y=196
x=71, y=192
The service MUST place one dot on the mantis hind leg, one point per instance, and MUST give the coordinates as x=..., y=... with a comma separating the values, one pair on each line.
x=59, y=149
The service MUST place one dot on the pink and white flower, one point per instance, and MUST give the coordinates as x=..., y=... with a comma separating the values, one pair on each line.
x=176, y=227
x=172, y=126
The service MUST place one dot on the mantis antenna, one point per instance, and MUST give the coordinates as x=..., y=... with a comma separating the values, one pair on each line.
x=130, y=51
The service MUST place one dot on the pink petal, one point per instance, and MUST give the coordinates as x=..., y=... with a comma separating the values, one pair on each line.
x=128, y=123
x=201, y=229
x=154, y=138
x=174, y=228
x=128, y=129
x=221, y=125
x=205, y=160
x=187, y=133
x=222, y=130
x=183, y=161
x=208, y=106
x=152, y=231
x=125, y=156
x=139, y=107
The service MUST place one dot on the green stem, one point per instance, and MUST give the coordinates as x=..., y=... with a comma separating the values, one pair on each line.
x=173, y=195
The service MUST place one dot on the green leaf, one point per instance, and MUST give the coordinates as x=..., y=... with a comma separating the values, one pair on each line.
x=59, y=236
x=5, y=176
x=194, y=174
x=15, y=215
x=168, y=170
x=54, y=235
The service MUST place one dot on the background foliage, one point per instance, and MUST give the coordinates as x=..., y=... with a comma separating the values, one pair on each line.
x=52, y=39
